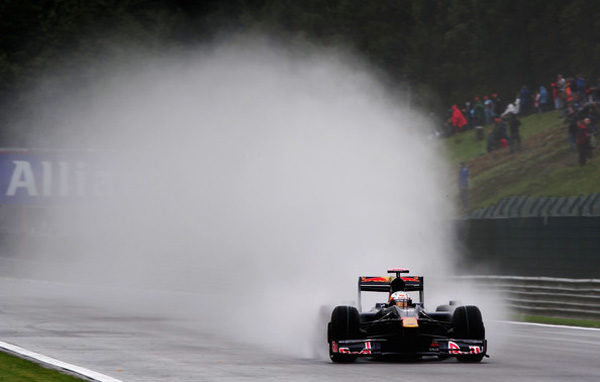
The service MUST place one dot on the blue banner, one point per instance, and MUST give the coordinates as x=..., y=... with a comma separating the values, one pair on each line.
x=48, y=177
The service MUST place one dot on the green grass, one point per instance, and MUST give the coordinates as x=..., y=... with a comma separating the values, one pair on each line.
x=558, y=321
x=537, y=123
x=14, y=369
x=550, y=182
x=464, y=146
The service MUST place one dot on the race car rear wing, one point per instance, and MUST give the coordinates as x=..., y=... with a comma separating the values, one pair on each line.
x=390, y=284
x=374, y=283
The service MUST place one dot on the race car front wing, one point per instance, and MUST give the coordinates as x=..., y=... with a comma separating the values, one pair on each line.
x=441, y=346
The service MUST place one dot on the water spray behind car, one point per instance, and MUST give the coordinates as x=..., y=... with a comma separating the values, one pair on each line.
x=266, y=180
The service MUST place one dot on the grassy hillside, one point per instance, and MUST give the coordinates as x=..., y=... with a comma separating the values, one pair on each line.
x=544, y=167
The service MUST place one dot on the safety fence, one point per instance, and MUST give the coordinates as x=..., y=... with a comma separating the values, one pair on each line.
x=546, y=296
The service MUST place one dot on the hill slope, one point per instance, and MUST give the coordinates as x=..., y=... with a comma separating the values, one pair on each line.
x=544, y=167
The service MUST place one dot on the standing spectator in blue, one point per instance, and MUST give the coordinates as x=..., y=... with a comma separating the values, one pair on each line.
x=463, y=183
x=581, y=85
x=525, y=96
x=544, y=99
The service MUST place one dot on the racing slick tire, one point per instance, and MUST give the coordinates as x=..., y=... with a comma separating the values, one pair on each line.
x=468, y=324
x=344, y=325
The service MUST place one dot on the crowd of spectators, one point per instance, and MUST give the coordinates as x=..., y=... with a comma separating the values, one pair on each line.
x=576, y=97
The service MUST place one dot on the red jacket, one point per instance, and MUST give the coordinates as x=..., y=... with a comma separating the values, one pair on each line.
x=458, y=120
x=582, y=134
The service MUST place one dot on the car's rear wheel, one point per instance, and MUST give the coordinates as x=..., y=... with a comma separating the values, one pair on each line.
x=344, y=325
x=468, y=324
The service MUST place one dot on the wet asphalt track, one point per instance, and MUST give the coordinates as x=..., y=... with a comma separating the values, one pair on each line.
x=134, y=347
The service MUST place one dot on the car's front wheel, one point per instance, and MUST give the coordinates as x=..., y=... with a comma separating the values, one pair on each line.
x=468, y=324
x=344, y=325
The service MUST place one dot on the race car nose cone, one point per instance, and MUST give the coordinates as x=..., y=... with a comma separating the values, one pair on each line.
x=410, y=322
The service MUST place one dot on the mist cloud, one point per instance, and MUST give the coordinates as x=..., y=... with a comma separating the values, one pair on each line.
x=267, y=179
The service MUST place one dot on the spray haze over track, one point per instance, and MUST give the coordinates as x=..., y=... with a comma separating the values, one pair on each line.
x=269, y=180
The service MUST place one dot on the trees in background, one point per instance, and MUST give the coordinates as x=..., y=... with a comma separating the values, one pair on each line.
x=451, y=49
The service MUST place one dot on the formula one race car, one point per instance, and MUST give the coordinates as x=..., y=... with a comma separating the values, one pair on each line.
x=401, y=328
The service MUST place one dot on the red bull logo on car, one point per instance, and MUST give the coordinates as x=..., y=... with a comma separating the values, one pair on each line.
x=453, y=348
x=366, y=350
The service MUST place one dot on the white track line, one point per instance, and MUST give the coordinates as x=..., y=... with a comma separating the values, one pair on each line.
x=550, y=325
x=56, y=364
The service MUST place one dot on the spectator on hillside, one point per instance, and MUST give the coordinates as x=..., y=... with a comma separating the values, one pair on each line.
x=463, y=183
x=593, y=130
x=467, y=113
x=581, y=85
x=583, y=142
x=536, y=102
x=515, y=135
x=498, y=104
x=500, y=128
x=511, y=108
x=555, y=97
x=458, y=120
x=544, y=100
x=525, y=96
x=488, y=105
x=569, y=94
x=518, y=106
x=498, y=137
x=561, y=85
x=472, y=114
x=478, y=112
x=572, y=128
x=591, y=110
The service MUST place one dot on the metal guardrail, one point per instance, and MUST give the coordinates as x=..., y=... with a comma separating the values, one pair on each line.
x=546, y=296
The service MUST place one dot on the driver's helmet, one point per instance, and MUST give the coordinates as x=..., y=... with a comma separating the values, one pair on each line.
x=400, y=299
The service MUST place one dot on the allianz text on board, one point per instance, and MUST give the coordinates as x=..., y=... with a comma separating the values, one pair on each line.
x=34, y=178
